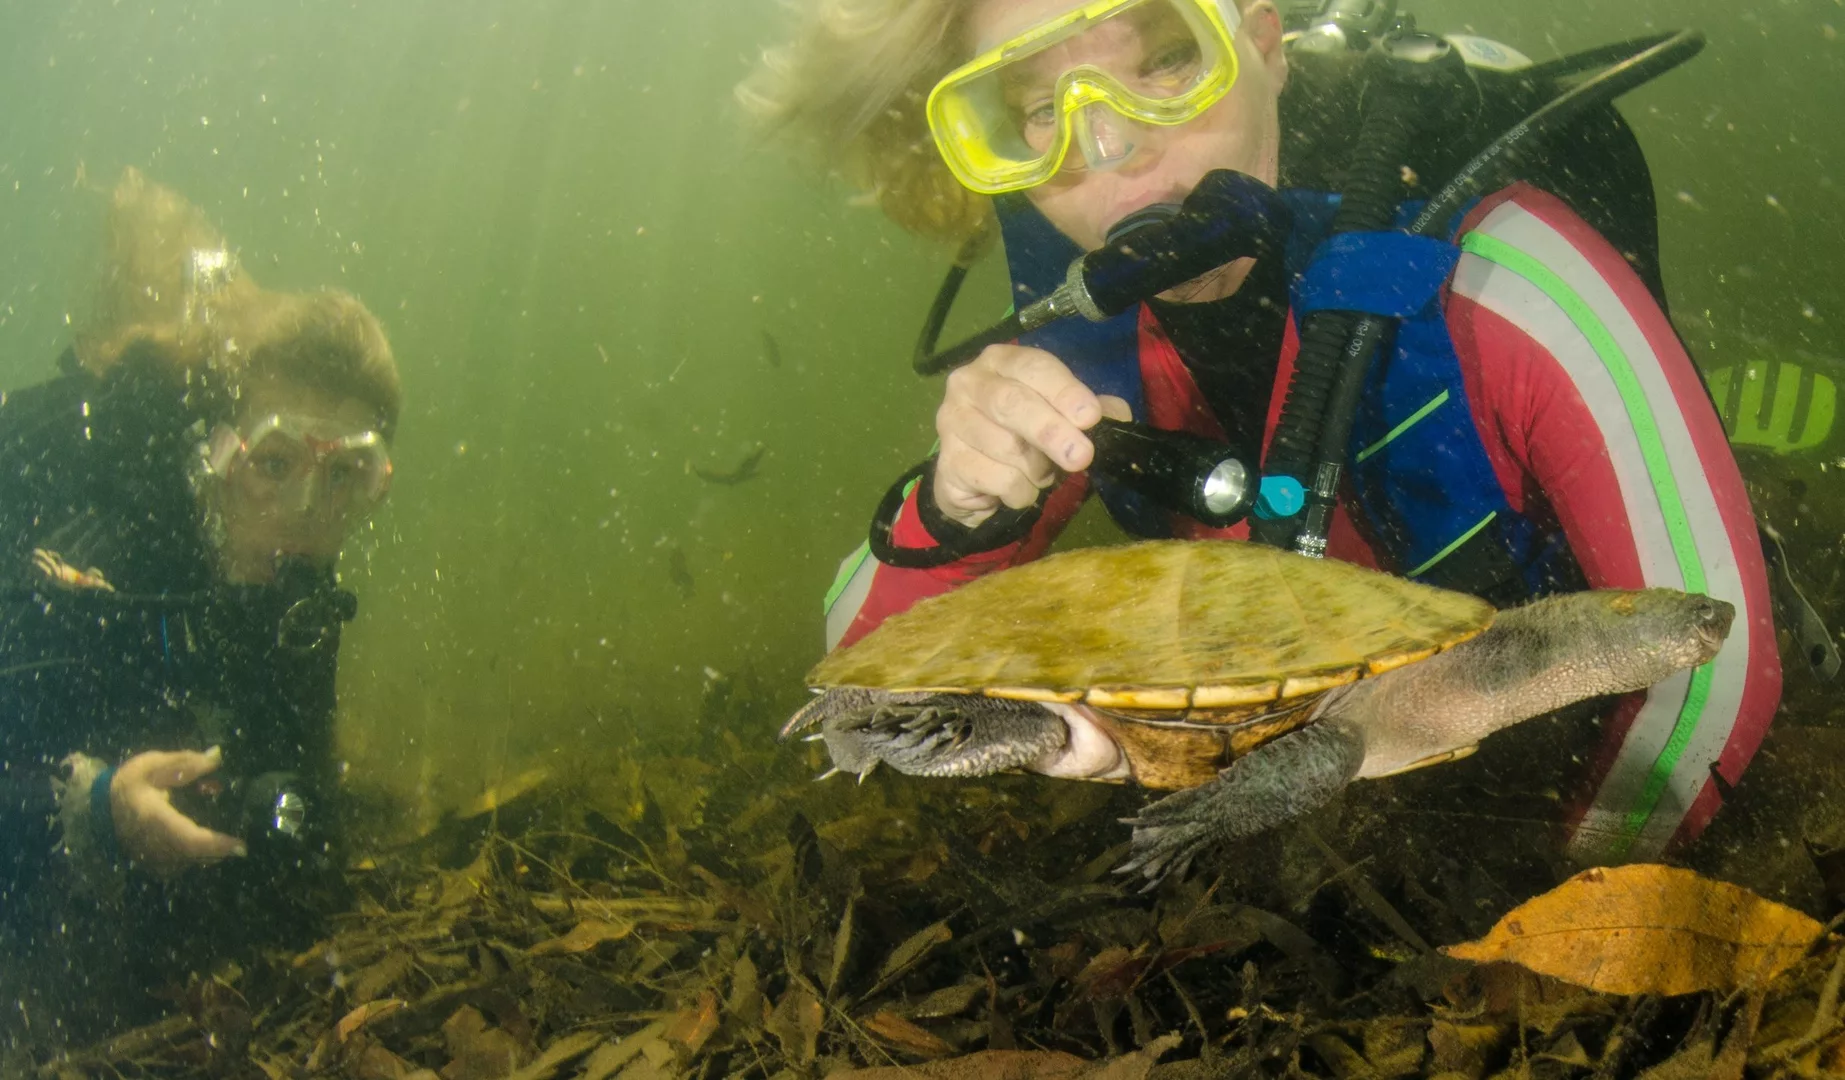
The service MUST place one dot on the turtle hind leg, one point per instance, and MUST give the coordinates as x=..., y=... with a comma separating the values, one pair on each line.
x=1297, y=773
x=942, y=734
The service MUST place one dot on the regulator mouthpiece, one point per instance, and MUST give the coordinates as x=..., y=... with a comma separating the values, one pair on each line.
x=1228, y=216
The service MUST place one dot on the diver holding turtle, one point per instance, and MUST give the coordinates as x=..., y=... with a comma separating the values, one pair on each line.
x=1531, y=426
x=173, y=507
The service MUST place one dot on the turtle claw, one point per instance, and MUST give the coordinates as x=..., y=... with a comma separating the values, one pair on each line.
x=865, y=773
x=1168, y=835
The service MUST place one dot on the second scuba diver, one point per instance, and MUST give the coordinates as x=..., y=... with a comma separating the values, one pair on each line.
x=172, y=507
x=1535, y=427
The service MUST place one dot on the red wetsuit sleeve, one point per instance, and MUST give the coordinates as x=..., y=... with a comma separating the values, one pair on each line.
x=887, y=590
x=1597, y=421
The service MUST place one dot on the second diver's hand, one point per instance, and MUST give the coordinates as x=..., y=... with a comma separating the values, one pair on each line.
x=1010, y=424
x=147, y=827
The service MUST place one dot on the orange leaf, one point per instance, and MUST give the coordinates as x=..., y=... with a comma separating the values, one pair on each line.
x=1648, y=929
x=693, y=1026
x=585, y=936
x=906, y=1036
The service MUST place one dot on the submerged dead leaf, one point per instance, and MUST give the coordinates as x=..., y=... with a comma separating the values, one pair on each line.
x=905, y=1036
x=986, y=1065
x=1022, y=1065
x=948, y=1001
x=796, y=1023
x=365, y=1014
x=913, y=949
x=694, y=1025
x=1648, y=929
x=583, y=937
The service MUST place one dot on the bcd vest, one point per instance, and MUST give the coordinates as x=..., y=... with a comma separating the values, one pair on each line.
x=1420, y=478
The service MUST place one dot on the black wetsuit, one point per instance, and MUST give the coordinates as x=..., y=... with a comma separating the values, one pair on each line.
x=97, y=470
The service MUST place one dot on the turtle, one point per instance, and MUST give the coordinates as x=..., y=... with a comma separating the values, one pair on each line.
x=1252, y=683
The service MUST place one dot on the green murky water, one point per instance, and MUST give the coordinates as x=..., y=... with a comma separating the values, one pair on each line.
x=582, y=260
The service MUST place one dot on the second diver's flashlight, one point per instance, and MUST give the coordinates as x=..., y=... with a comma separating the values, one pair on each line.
x=1204, y=480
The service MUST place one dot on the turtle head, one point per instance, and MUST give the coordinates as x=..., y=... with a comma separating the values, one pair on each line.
x=1654, y=632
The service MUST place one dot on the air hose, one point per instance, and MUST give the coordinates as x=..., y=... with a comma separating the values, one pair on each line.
x=1412, y=73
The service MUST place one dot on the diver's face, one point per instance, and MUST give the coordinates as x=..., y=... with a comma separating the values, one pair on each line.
x=1241, y=132
x=307, y=520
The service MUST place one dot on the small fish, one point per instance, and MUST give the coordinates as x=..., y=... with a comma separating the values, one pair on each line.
x=680, y=573
x=745, y=470
x=771, y=350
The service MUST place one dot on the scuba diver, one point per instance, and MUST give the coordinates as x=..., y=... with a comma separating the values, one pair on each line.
x=1532, y=424
x=172, y=507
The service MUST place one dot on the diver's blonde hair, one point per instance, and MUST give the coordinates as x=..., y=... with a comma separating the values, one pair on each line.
x=851, y=85
x=325, y=339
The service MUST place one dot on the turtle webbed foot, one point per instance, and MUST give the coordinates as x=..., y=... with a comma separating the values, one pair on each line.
x=1169, y=834
x=911, y=739
x=943, y=735
x=1297, y=773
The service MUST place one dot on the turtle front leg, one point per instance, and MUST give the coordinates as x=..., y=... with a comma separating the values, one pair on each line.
x=1276, y=783
x=949, y=735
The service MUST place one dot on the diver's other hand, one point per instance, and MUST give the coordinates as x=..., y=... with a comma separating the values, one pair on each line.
x=147, y=827
x=1010, y=423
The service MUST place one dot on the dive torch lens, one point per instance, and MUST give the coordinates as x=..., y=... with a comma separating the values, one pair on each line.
x=1197, y=477
x=1226, y=488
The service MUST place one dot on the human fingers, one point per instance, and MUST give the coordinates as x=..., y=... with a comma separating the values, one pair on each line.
x=964, y=430
x=1115, y=408
x=173, y=839
x=168, y=769
x=1032, y=394
x=970, y=484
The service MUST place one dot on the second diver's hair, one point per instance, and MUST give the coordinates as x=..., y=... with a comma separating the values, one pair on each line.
x=326, y=341
x=149, y=302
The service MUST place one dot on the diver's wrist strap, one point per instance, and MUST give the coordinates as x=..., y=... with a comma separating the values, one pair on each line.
x=954, y=541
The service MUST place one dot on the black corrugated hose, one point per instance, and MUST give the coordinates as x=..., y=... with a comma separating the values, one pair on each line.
x=1396, y=110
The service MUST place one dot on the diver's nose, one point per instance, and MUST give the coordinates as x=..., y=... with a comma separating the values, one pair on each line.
x=1105, y=136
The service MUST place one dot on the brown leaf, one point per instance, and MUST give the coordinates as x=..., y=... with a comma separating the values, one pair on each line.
x=906, y=1036
x=365, y=1014
x=796, y=1023
x=1648, y=929
x=948, y=1001
x=1022, y=1065
x=913, y=949
x=477, y=1051
x=1463, y=1048
x=381, y=978
x=745, y=1001
x=374, y=1062
x=986, y=1065
x=583, y=937
x=693, y=1026
x=1111, y=974
x=610, y=1057
x=559, y=1054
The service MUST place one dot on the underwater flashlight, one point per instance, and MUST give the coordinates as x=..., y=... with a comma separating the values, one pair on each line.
x=259, y=809
x=1204, y=480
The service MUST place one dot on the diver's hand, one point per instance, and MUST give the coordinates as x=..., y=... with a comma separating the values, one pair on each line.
x=147, y=827
x=1011, y=423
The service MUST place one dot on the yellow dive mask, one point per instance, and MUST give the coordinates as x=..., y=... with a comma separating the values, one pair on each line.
x=1085, y=80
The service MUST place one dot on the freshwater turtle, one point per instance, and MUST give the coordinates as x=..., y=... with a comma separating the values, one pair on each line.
x=1254, y=683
